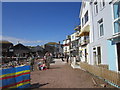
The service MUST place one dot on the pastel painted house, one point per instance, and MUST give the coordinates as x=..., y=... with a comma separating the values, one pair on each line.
x=114, y=39
x=104, y=36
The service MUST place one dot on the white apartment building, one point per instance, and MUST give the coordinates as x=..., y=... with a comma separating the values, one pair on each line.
x=74, y=50
x=66, y=46
x=85, y=32
x=103, y=27
x=74, y=43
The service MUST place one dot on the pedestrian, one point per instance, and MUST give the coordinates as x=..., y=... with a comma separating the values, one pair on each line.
x=48, y=59
x=32, y=64
x=67, y=57
x=62, y=56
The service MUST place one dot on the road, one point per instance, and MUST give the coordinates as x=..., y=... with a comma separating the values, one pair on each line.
x=62, y=75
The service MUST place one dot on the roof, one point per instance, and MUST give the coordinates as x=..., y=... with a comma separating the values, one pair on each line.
x=19, y=48
x=52, y=43
x=37, y=48
x=5, y=42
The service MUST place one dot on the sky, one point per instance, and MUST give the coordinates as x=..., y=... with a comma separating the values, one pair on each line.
x=36, y=23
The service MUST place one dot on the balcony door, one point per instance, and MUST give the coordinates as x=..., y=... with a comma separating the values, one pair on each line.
x=118, y=54
x=94, y=58
x=97, y=55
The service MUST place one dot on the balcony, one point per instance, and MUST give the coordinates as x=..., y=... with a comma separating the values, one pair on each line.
x=84, y=42
x=85, y=31
x=77, y=28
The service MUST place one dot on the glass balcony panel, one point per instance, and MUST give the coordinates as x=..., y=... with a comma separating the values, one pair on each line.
x=116, y=8
x=117, y=26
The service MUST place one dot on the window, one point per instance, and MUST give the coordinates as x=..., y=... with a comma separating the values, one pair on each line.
x=86, y=16
x=116, y=8
x=82, y=21
x=65, y=48
x=84, y=4
x=102, y=4
x=96, y=7
x=101, y=29
x=85, y=19
x=72, y=37
x=117, y=26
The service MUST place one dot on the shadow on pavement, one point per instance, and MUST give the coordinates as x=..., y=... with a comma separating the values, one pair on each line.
x=55, y=67
x=52, y=62
x=37, y=85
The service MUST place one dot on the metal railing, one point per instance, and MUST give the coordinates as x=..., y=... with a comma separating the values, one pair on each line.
x=85, y=41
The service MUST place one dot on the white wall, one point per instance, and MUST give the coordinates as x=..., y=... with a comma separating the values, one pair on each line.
x=82, y=14
x=106, y=14
x=66, y=47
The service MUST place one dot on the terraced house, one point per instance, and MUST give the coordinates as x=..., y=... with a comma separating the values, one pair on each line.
x=114, y=39
x=100, y=25
x=98, y=40
x=85, y=32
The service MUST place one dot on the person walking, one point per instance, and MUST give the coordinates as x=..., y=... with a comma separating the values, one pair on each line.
x=32, y=64
x=62, y=56
x=67, y=57
x=48, y=58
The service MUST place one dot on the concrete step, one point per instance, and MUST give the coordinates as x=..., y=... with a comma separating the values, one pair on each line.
x=75, y=66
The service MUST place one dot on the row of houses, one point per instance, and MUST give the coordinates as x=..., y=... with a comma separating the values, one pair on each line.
x=19, y=50
x=96, y=41
x=9, y=50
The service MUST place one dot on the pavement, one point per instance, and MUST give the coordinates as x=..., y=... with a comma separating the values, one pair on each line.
x=62, y=75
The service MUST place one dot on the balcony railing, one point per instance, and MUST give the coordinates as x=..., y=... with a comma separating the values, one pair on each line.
x=84, y=42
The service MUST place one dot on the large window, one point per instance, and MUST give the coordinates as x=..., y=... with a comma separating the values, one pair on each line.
x=86, y=16
x=116, y=8
x=101, y=28
x=85, y=19
x=117, y=26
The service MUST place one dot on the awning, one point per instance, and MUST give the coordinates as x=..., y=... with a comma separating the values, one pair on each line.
x=85, y=31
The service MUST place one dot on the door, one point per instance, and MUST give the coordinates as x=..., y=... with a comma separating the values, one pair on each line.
x=94, y=57
x=99, y=55
x=118, y=54
x=85, y=55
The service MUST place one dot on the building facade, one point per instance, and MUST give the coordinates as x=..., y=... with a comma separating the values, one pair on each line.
x=66, y=46
x=85, y=34
x=104, y=33
x=114, y=39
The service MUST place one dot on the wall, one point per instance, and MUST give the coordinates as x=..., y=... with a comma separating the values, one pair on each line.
x=101, y=41
x=112, y=57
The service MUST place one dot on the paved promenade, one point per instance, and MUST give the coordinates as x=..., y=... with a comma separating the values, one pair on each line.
x=62, y=75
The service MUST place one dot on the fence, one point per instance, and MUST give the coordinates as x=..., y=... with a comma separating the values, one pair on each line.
x=111, y=76
x=18, y=77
